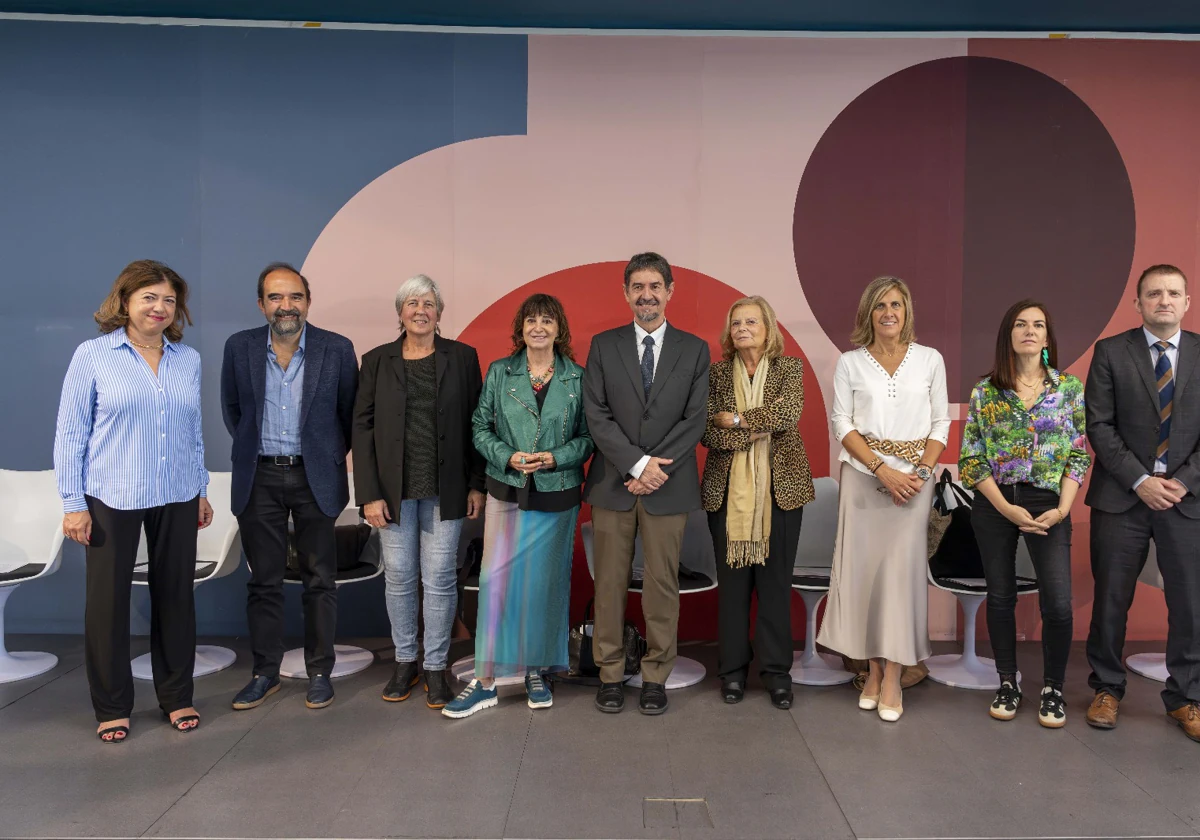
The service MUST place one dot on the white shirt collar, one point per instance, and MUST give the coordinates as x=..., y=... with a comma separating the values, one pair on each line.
x=1152, y=339
x=657, y=335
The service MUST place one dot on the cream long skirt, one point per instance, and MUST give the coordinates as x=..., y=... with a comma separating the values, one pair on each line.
x=878, y=593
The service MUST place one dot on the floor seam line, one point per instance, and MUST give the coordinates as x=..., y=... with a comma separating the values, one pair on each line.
x=512, y=797
x=824, y=778
x=219, y=759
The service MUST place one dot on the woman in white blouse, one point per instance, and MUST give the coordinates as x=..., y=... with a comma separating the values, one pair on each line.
x=892, y=417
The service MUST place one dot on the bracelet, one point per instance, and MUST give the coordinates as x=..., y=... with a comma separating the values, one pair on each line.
x=874, y=465
x=1061, y=515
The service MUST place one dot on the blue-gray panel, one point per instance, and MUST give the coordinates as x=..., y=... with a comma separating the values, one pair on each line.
x=216, y=150
x=868, y=15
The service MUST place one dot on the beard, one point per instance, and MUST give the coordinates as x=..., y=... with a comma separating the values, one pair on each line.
x=647, y=316
x=286, y=328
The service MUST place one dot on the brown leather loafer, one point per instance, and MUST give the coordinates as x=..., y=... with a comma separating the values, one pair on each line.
x=1188, y=718
x=1102, y=714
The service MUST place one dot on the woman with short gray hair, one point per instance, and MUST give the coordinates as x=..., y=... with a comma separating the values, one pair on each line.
x=417, y=475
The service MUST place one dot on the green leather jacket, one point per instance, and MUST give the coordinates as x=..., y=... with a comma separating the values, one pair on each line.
x=507, y=420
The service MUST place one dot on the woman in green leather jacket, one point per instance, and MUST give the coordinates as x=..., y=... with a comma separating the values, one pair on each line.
x=530, y=428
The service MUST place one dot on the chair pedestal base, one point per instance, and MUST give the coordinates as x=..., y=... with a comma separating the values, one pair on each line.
x=812, y=668
x=686, y=672
x=808, y=666
x=24, y=664
x=209, y=660
x=350, y=660
x=464, y=671
x=1152, y=666
x=966, y=670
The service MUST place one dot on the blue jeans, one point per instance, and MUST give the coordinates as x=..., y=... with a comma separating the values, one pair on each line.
x=419, y=545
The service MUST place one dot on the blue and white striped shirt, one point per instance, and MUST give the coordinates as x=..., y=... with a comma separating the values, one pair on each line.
x=125, y=437
x=281, y=404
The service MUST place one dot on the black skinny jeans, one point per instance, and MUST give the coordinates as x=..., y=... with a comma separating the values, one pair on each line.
x=1051, y=555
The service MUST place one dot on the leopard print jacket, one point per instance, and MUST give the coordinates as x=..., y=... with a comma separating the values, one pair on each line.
x=783, y=400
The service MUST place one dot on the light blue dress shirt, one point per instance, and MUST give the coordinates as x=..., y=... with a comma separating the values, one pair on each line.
x=281, y=406
x=129, y=438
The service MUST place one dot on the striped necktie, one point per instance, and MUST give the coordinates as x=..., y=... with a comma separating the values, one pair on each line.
x=1166, y=390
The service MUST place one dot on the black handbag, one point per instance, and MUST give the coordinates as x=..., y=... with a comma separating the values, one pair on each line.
x=582, y=663
x=957, y=555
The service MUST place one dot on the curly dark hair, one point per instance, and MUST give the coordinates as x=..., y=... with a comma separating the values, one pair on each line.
x=543, y=304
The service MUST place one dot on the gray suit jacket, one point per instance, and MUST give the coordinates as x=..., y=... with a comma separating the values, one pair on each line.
x=625, y=425
x=1123, y=422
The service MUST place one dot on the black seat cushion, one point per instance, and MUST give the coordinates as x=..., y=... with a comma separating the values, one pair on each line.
x=689, y=581
x=359, y=571
x=977, y=586
x=141, y=574
x=29, y=570
x=819, y=583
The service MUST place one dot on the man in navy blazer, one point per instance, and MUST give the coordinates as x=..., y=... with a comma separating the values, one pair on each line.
x=287, y=393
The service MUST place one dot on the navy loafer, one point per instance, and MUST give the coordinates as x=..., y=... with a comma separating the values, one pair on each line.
x=320, y=692
x=256, y=691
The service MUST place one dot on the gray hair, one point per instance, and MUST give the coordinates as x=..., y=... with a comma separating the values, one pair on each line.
x=417, y=285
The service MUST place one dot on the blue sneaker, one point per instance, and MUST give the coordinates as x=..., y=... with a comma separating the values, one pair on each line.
x=539, y=694
x=470, y=700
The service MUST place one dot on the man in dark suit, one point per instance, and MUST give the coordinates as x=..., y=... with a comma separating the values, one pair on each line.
x=287, y=391
x=1143, y=421
x=645, y=394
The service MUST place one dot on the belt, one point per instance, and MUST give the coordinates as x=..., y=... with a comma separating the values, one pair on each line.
x=281, y=460
x=1160, y=475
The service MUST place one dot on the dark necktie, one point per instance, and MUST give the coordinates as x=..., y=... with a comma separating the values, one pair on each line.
x=1166, y=390
x=647, y=365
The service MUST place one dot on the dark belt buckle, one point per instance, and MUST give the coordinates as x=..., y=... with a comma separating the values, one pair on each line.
x=284, y=460
x=1160, y=475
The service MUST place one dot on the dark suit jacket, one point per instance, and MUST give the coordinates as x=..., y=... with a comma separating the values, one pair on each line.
x=625, y=425
x=379, y=426
x=326, y=407
x=1123, y=424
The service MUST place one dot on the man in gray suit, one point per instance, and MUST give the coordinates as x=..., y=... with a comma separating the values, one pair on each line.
x=645, y=394
x=1143, y=421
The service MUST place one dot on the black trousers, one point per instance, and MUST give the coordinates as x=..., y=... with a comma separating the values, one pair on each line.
x=773, y=583
x=171, y=546
x=1120, y=543
x=279, y=492
x=1051, y=555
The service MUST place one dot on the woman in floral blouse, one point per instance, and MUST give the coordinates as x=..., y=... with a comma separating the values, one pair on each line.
x=1023, y=452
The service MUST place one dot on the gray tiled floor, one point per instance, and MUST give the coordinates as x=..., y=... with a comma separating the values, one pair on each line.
x=364, y=768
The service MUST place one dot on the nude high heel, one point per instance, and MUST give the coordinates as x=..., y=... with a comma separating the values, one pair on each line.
x=891, y=714
x=868, y=702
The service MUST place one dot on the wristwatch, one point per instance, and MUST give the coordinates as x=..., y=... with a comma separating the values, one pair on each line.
x=924, y=472
x=737, y=420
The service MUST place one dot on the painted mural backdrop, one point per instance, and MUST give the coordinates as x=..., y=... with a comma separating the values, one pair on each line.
x=980, y=171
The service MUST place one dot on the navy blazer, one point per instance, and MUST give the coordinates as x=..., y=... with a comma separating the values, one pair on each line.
x=326, y=412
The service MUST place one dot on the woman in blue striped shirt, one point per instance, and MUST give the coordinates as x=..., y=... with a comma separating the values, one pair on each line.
x=129, y=454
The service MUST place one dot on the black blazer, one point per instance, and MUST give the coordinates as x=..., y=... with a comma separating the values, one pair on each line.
x=326, y=406
x=625, y=425
x=378, y=436
x=1123, y=424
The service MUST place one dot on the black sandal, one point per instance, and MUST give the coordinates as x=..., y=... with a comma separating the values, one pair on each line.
x=175, y=724
x=114, y=731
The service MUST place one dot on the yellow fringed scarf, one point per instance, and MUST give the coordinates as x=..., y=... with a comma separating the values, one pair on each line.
x=748, y=506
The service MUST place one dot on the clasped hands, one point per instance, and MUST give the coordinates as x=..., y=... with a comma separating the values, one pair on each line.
x=1161, y=493
x=902, y=487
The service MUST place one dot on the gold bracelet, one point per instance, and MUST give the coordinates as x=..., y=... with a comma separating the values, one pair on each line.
x=1061, y=515
x=874, y=465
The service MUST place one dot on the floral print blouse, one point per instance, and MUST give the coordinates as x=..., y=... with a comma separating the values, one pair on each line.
x=1005, y=441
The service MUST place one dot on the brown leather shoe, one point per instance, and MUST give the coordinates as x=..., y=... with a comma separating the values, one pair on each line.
x=1102, y=714
x=1188, y=718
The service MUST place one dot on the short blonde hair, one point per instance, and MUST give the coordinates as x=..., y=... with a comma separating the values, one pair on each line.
x=864, y=325
x=774, y=345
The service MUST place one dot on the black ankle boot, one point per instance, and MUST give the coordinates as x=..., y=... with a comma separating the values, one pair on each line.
x=404, y=677
x=438, y=689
